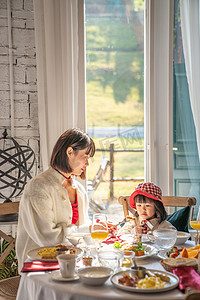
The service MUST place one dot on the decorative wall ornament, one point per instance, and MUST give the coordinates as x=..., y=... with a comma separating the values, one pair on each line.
x=16, y=162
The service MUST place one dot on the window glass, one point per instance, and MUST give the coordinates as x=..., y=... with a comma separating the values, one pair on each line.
x=115, y=89
x=186, y=167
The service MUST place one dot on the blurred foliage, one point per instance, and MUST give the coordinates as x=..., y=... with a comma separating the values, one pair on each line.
x=9, y=266
x=115, y=55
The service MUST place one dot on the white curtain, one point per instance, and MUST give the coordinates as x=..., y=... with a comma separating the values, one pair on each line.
x=59, y=34
x=190, y=24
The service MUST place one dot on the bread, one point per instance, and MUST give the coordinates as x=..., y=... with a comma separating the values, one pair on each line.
x=170, y=263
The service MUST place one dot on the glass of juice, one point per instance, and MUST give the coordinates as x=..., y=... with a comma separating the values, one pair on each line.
x=195, y=222
x=99, y=228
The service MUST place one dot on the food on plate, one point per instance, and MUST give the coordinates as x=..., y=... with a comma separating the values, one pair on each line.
x=170, y=263
x=137, y=248
x=50, y=253
x=174, y=252
x=191, y=252
x=117, y=245
x=152, y=282
x=128, y=280
x=112, y=239
x=162, y=277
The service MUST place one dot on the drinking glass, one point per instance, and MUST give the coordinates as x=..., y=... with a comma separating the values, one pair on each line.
x=195, y=223
x=99, y=228
x=164, y=238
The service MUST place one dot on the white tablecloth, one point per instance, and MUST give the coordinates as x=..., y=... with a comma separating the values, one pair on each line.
x=40, y=286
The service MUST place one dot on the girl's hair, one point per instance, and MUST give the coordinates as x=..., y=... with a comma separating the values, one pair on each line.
x=160, y=213
x=75, y=138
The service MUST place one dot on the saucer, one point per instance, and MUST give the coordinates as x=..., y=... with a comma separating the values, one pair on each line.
x=55, y=275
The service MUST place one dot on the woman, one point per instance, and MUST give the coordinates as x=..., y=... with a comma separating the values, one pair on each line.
x=54, y=200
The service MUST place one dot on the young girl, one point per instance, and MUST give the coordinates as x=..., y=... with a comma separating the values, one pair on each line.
x=149, y=211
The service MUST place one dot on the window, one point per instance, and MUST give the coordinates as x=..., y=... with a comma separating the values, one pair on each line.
x=186, y=166
x=115, y=88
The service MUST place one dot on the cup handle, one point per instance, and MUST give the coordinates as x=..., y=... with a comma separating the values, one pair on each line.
x=150, y=236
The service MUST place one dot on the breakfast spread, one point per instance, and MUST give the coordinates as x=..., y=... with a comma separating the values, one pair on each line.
x=138, y=248
x=155, y=281
x=50, y=253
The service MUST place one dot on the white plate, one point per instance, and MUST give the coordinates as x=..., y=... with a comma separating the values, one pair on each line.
x=33, y=254
x=168, y=286
x=163, y=254
x=55, y=275
x=150, y=252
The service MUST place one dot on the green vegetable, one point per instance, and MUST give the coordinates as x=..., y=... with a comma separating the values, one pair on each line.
x=140, y=247
x=117, y=245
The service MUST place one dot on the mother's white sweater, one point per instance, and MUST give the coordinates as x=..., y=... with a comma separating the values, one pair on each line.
x=45, y=213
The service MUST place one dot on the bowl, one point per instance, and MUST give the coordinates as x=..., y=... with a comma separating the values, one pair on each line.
x=77, y=237
x=94, y=275
x=73, y=239
x=182, y=237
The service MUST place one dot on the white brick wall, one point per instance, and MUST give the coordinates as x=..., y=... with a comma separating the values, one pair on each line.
x=25, y=80
x=25, y=74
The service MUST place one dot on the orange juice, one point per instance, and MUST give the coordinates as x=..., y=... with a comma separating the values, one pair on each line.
x=195, y=224
x=99, y=235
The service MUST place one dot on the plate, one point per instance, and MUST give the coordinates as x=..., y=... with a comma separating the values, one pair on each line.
x=168, y=286
x=33, y=254
x=150, y=252
x=55, y=275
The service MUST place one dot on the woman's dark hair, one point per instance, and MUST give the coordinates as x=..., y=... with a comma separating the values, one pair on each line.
x=161, y=213
x=75, y=138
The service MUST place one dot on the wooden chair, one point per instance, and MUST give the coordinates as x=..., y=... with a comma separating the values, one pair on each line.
x=8, y=286
x=168, y=201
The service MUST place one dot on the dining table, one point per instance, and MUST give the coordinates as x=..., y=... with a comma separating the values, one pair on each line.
x=41, y=286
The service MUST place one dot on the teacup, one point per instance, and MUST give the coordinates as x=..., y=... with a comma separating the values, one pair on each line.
x=67, y=263
x=164, y=238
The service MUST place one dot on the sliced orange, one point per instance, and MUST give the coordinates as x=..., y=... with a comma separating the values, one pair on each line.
x=193, y=253
x=184, y=253
x=193, y=248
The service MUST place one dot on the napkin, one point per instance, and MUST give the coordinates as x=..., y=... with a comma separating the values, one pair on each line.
x=112, y=239
x=40, y=266
x=188, y=277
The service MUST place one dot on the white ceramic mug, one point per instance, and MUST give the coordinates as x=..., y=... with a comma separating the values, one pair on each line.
x=67, y=263
x=164, y=238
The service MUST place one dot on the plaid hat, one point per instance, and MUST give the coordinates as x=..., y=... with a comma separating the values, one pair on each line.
x=147, y=189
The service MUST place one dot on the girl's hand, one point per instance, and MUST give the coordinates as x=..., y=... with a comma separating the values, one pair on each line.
x=139, y=229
